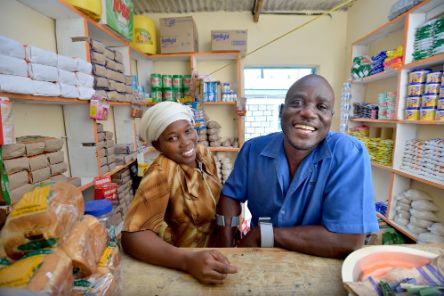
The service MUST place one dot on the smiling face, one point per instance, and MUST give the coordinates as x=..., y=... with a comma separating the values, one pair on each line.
x=307, y=113
x=178, y=143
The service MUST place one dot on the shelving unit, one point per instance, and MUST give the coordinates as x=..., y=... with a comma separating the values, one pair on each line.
x=390, y=181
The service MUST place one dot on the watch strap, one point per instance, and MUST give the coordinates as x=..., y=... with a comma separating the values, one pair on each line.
x=267, y=235
x=220, y=221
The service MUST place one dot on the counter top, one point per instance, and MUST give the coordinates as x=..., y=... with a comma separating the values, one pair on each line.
x=262, y=272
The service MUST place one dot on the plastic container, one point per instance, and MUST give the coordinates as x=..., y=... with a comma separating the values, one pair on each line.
x=144, y=34
x=412, y=114
x=440, y=103
x=418, y=76
x=439, y=115
x=413, y=102
x=434, y=77
x=415, y=89
x=432, y=88
x=93, y=8
x=429, y=100
x=428, y=113
x=101, y=209
x=156, y=80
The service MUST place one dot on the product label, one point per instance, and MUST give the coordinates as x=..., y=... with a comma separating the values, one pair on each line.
x=119, y=17
x=32, y=202
x=106, y=256
x=143, y=36
x=19, y=273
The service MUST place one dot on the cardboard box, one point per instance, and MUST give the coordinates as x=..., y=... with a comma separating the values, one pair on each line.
x=229, y=40
x=178, y=34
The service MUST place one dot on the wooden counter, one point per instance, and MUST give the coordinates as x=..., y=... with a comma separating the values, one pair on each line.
x=262, y=272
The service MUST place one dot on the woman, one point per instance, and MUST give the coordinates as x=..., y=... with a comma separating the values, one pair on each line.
x=175, y=204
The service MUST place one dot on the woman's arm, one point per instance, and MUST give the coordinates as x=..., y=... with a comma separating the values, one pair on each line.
x=208, y=266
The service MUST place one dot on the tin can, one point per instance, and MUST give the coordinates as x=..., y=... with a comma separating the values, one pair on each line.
x=428, y=113
x=186, y=81
x=156, y=94
x=177, y=81
x=168, y=95
x=167, y=81
x=412, y=114
x=156, y=80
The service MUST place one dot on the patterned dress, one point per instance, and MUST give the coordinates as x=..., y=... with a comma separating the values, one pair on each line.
x=177, y=202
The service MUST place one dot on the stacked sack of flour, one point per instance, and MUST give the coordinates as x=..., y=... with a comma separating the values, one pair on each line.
x=124, y=153
x=416, y=210
x=124, y=195
x=48, y=246
x=30, y=161
x=32, y=70
x=110, y=82
x=224, y=167
x=105, y=149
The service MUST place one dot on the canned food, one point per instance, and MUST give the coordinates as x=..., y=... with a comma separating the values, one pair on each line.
x=429, y=100
x=428, y=113
x=167, y=81
x=156, y=94
x=178, y=94
x=168, y=95
x=186, y=81
x=177, y=81
x=412, y=114
x=413, y=102
x=156, y=80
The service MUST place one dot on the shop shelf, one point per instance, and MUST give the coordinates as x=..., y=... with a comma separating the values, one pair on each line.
x=419, y=179
x=368, y=120
x=224, y=149
x=383, y=167
x=397, y=227
x=424, y=122
x=117, y=169
x=42, y=99
x=376, y=77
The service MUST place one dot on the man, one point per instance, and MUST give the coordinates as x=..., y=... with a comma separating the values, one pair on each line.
x=308, y=189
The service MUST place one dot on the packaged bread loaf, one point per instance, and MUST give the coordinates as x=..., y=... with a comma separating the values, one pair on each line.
x=41, y=217
x=47, y=271
x=85, y=245
x=13, y=150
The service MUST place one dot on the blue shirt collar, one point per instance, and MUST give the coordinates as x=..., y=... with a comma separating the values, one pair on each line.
x=276, y=147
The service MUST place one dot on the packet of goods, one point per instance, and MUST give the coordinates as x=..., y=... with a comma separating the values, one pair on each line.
x=85, y=245
x=41, y=219
x=43, y=271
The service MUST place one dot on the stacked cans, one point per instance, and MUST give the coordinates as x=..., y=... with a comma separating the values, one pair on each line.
x=169, y=87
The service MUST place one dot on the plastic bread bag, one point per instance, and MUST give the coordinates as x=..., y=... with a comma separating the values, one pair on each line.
x=67, y=77
x=13, y=66
x=85, y=80
x=85, y=93
x=101, y=283
x=45, y=88
x=44, y=271
x=83, y=66
x=37, y=55
x=42, y=218
x=85, y=245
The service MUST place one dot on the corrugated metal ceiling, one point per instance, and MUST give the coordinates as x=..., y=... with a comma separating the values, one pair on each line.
x=269, y=6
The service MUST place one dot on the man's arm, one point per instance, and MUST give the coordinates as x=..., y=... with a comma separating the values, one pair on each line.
x=309, y=239
x=226, y=235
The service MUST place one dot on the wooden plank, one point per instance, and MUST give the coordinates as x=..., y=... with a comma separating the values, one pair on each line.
x=257, y=9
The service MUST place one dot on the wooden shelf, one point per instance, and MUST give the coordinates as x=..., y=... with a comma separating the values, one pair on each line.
x=219, y=103
x=224, y=149
x=117, y=169
x=419, y=179
x=113, y=103
x=383, y=167
x=368, y=120
x=427, y=62
x=42, y=99
x=379, y=76
x=397, y=227
x=424, y=122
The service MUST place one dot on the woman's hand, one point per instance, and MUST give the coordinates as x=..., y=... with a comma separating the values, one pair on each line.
x=209, y=266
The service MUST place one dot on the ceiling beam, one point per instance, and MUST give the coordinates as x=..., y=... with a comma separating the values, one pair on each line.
x=257, y=9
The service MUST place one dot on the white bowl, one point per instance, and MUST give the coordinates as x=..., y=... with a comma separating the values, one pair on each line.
x=377, y=260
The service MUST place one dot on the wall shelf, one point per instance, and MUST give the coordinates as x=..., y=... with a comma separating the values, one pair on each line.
x=376, y=77
x=224, y=149
x=383, y=167
x=42, y=99
x=368, y=120
x=397, y=227
x=419, y=179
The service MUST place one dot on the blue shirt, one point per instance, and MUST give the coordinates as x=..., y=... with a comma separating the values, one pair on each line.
x=331, y=187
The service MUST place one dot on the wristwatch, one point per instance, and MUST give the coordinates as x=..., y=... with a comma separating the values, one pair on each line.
x=267, y=236
x=220, y=221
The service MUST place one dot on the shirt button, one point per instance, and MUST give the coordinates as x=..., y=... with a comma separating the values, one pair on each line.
x=283, y=212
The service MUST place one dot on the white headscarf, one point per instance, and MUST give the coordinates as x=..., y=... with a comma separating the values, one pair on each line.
x=157, y=118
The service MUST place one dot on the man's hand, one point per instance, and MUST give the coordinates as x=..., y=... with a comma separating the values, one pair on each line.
x=252, y=239
x=209, y=267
